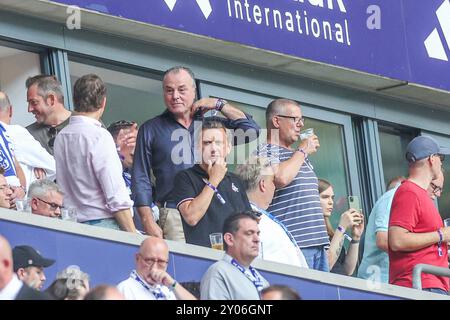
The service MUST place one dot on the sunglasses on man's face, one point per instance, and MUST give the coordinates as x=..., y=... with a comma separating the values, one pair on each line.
x=441, y=156
x=436, y=189
x=52, y=132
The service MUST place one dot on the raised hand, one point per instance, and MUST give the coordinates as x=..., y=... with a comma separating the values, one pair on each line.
x=161, y=277
x=204, y=105
x=358, y=229
x=311, y=144
x=350, y=218
x=39, y=173
x=217, y=171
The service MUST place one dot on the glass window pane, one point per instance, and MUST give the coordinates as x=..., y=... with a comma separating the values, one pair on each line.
x=16, y=66
x=444, y=200
x=241, y=152
x=393, y=144
x=329, y=162
x=129, y=97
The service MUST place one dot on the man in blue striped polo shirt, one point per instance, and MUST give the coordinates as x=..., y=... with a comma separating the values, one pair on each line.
x=296, y=202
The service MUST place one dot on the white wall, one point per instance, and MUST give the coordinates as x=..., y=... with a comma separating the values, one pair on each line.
x=14, y=70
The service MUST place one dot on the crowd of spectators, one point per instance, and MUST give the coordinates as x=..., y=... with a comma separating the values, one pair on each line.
x=142, y=180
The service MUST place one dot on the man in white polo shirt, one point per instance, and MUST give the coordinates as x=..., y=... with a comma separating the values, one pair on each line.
x=150, y=280
x=277, y=243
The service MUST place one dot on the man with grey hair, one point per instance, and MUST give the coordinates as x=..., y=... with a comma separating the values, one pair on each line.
x=277, y=243
x=296, y=203
x=46, y=198
x=168, y=135
x=46, y=102
x=34, y=160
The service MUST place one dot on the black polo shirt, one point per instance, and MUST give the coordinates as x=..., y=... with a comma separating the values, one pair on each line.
x=189, y=184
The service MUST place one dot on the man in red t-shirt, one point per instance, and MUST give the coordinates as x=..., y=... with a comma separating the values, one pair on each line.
x=416, y=231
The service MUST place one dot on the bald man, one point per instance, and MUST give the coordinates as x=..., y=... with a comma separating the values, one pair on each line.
x=104, y=292
x=11, y=288
x=150, y=280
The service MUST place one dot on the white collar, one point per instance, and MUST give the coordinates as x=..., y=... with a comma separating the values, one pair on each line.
x=12, y=289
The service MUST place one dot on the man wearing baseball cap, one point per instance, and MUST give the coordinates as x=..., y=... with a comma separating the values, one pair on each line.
x=29, y=266
x=416, y=231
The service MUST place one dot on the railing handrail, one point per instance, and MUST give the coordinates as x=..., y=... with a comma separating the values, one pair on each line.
x=427, y=268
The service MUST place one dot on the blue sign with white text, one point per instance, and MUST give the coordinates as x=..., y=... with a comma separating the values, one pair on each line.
x=406, y=39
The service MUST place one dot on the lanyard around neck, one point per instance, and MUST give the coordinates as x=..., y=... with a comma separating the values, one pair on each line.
x=254, y=278
x=271, y=217
x=156, y=291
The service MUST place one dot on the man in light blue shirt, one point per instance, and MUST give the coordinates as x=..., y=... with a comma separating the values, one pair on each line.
x=375, y=262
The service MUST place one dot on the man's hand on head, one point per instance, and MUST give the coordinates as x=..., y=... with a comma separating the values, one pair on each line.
x=203, y=105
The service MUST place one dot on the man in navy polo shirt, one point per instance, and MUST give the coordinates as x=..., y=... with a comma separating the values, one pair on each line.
x=207, y=194
x=164, y=147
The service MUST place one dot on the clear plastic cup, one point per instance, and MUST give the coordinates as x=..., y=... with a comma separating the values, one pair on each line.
x=23, y=205
x=305, y=134
x=69, y=214
x=216, y=240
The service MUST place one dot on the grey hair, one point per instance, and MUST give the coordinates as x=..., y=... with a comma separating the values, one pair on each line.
x=276, y=107
x=177, y=69
x=46, y=84
x=251, y=170
x=72, y=272
x=41, y=187
x=4, y=101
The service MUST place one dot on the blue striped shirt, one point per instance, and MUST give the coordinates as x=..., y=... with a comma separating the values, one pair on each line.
x=297, y=205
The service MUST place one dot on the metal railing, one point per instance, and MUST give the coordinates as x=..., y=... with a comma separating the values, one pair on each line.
x=427, y=268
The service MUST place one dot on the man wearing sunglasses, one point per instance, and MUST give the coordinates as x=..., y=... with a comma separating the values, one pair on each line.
x=416, y=232
x=46, y=198
x=45, y=99
x=436, y=187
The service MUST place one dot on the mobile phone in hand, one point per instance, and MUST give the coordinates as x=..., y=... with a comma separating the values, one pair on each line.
x=353, y=203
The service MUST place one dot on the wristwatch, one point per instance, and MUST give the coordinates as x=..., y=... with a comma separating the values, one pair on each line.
x=220, y=104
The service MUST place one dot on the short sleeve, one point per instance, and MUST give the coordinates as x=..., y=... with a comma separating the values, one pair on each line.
x=382, y=213
x=183, y=188
x=271, y=152
x=405, y=210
